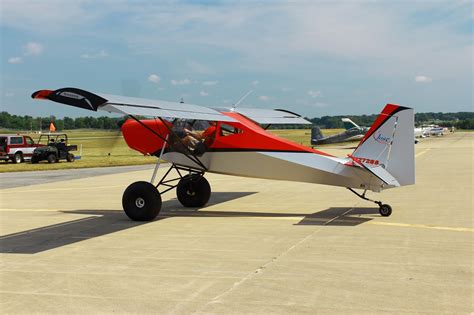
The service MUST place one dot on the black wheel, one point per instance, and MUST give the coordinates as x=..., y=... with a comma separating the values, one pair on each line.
x=18, y=158
x=141, y=201
x=52, y=158
x=34, y=160
x=193, y=191
x=385, y=210
x=70, y=157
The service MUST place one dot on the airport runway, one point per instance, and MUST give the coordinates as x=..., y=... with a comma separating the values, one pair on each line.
x=258, y=247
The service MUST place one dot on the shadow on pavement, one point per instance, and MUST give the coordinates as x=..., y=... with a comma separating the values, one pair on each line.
x=340, y=217
x=103, y=222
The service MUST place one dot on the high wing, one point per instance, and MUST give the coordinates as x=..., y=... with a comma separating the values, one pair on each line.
x=129, y=105
x=271, y=116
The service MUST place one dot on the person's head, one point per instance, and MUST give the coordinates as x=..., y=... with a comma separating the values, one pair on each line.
x=62, y=140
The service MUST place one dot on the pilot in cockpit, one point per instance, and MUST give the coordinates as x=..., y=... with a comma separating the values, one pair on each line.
x=206, y=137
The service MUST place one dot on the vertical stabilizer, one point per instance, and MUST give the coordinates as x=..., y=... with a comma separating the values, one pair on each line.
x=389, y=144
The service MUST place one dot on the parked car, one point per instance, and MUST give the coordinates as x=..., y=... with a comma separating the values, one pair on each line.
x=56, y=147
x=16, y=148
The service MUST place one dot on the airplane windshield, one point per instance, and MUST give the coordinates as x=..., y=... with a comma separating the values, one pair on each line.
x=193, y=136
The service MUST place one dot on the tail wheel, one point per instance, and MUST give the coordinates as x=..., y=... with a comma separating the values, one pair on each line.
x=385, y=210
x=52, y=158
x=141, y=201
x=18, y=158
x=193, y=191
x=70, y=157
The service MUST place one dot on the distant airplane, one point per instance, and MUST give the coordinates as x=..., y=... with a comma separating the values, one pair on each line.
x=353, y=132
x=421, y=132
x=430, y=130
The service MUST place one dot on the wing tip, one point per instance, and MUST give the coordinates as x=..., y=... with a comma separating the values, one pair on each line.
x=42, y=94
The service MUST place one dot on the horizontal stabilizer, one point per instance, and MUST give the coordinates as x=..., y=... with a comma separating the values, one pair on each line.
x=383, y=175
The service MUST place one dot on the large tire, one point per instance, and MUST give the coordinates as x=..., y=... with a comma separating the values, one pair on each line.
x=141, y=201
x=70, y=157
x=17, y=158
x=193, y=191
x=52, y=158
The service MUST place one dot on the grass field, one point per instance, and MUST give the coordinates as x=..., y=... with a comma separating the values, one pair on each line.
x=97, y=144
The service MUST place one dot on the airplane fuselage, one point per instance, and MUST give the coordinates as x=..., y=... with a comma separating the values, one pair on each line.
x=251, y=151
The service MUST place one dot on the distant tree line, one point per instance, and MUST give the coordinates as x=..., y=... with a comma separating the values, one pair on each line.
x=42, y=123
x=460, y=120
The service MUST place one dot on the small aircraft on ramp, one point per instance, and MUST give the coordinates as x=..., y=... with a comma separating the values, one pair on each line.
x=235, y=143
x=353, y=132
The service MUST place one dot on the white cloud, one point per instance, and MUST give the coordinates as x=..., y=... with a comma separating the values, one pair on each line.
x=100, y=54
x=154, y=78
x=180, y=82
x=199, y=67
x=264, y=98
x=314, y=94
x=209, y=83
x=255, y=83
x=15, y=60
x=32, y=48
x=423, y=79
x=203, y=93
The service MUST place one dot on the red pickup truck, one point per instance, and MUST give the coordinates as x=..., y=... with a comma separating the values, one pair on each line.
x=16, y=148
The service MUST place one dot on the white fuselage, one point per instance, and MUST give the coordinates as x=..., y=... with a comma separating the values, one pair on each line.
x=291, y=166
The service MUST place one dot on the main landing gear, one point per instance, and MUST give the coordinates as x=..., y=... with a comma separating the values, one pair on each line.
x=384, y=209
x=141, y=201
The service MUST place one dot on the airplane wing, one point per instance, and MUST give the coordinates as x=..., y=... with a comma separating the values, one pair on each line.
x=129, y=105
x=349, y=124
x=271, y=116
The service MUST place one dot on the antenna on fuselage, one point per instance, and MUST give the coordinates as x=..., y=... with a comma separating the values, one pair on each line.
x=241, y=100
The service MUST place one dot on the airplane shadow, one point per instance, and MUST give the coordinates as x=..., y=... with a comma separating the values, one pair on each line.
x=103, y=222
x=340, y=216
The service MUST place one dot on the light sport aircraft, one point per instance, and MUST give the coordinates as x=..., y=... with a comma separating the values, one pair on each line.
x=237, y=144
x=353, y=132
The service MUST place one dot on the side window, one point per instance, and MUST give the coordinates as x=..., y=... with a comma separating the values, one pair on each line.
x=29, y=141
x=227, y=130
x=16, y=140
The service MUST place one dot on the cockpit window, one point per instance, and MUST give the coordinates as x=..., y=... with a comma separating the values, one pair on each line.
x=227, y=130
x=194, y=135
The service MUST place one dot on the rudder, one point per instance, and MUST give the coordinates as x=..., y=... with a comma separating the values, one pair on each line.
x=389, y=143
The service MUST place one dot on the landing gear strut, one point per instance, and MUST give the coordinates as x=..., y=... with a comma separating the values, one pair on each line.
x=141, y=201
x=385, y=210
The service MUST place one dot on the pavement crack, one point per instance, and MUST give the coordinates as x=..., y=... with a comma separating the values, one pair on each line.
x=274, y=259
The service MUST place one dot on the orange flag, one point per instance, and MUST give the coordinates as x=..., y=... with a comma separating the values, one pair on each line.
x=51, y=127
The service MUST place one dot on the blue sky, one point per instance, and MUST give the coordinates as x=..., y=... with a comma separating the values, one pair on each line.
x=313, y=57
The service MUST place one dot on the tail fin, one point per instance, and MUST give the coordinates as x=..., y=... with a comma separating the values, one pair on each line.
x=316, y=134
x=389, y=144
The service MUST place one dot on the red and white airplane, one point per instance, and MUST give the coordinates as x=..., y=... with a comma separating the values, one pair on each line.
x=236, y=142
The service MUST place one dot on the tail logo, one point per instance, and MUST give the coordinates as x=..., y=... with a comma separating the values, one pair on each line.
x=382, y=139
